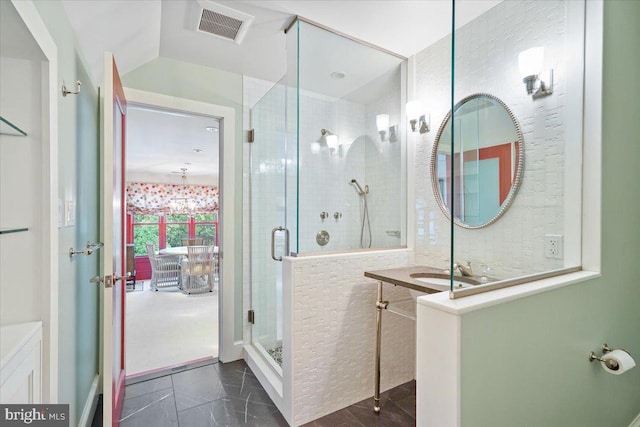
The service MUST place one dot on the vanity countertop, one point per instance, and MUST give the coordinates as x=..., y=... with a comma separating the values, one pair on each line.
x=407, y=278
x=402, y=277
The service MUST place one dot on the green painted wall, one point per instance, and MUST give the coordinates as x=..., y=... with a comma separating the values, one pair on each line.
x=184, y=80
x=78, y=180
x=524, y=363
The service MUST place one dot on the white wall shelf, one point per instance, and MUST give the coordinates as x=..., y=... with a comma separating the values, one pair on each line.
x=8, y=128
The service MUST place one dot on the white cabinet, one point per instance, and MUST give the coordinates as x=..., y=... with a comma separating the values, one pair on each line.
x=21, y=363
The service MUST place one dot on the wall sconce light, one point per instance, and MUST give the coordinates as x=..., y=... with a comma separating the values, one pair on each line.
x=414, y=110
x=530, y=62
x=417, y=118
x=331, y=139
x=423, y=124
x=382, y=123
x=393, y=133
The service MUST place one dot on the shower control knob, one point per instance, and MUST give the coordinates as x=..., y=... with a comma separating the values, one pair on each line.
x=337, y=215
x=322, y=238
x=324, y=215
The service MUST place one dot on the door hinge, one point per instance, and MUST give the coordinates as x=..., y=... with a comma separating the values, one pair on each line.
x=251, y=135
x=251, y=317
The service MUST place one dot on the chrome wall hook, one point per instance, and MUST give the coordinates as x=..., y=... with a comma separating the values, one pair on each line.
x=66, y=92
x=91, y=248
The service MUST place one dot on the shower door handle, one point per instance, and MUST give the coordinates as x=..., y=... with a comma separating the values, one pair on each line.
x=273, y=242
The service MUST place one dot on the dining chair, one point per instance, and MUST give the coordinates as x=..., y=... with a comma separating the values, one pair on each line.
x=198, y=270
x=197, y=241
x=165, y=269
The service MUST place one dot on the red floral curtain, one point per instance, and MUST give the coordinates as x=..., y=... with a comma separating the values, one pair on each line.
x=153, y=199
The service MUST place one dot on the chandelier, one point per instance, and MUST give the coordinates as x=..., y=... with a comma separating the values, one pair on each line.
x=181, y=203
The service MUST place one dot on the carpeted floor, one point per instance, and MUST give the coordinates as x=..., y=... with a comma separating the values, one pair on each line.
x=166, y=328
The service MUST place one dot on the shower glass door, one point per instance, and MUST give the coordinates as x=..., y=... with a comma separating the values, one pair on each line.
x=268, y=212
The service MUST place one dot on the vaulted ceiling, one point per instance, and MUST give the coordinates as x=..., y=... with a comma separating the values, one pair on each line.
x=137, y=31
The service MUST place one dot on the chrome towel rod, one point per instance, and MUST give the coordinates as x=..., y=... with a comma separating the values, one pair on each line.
x=91, y=247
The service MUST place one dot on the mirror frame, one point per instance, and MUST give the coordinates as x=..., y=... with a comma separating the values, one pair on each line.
x=519, y=170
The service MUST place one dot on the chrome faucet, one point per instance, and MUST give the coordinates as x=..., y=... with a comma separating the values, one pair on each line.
x=465, y=270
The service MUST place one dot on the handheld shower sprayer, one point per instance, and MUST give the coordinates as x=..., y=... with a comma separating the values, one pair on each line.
x=359, y=189
x=365, y=213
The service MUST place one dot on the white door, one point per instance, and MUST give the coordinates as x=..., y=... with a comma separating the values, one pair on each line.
x=112, y=224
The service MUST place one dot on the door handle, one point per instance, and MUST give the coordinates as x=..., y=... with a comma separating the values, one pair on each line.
x=126, y=277
x=273, y=242
x=108, y=280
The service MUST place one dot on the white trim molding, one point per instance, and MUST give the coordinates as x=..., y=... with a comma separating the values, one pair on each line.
x=229, y=349
x=32, y=20
x=635, y=422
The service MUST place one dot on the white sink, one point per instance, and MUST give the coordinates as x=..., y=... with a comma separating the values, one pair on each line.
x=437, y=281
x=457, y=284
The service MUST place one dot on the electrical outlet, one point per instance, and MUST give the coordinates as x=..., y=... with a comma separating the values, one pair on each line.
x=553, y=246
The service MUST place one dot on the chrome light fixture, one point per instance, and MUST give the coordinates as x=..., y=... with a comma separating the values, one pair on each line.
x=382, y=124
x=414, y=109
x=330, y=139
x=417, y=118
x=182, y=204
x=530, y=62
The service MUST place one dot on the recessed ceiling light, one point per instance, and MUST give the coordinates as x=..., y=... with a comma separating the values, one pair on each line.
x=187, y=163
x=198, y=150
x=212, y=129
x=338, y=75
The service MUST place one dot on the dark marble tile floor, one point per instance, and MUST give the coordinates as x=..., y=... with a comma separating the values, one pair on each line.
x=230, y=395
x=214, y=395
x=398, y=408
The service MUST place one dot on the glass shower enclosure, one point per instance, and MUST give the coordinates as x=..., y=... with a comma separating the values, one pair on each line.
x=327, y=165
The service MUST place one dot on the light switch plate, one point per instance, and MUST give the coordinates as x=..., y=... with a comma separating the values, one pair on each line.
x=69, y=213
x=60, y=214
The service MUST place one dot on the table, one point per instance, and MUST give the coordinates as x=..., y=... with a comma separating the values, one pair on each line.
x=180, y=250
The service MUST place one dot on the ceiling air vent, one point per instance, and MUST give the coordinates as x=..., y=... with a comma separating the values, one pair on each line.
x=223, y=22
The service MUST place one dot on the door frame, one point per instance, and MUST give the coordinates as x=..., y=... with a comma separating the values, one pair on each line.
x=49, y=262
x=229, y=349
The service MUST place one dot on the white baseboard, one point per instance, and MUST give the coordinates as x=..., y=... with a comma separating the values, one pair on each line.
x=232, y=353
x=90, y=404
x=636, y=422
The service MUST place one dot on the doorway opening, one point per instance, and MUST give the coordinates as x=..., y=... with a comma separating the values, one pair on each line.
x=172, y=226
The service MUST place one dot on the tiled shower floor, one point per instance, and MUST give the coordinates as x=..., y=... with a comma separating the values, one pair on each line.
x=276, y=354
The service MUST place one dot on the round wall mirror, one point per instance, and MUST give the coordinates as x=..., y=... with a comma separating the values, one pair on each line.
x=479, y=176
